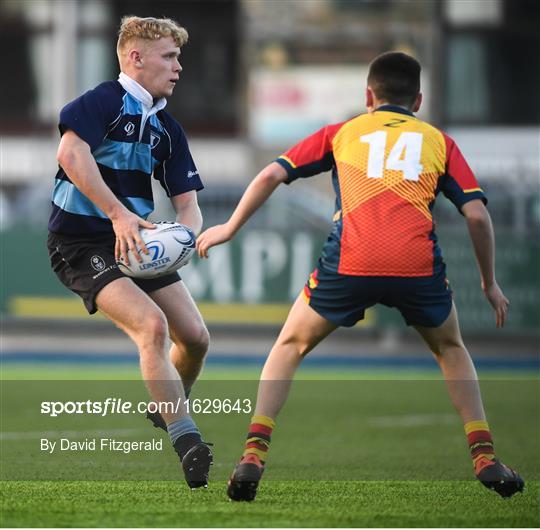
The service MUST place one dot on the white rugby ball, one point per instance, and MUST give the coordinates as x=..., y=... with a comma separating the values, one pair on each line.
x=170, y=246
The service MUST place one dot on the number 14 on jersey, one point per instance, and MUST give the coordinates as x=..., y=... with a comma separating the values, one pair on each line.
x=404, y=156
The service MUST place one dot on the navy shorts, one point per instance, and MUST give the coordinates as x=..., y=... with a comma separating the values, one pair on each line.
x=86, y=264
x=342, y=299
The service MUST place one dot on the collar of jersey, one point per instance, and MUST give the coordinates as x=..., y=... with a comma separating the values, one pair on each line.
x=139, y=92
x=394, y=108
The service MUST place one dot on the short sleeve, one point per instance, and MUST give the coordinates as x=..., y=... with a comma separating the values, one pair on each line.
x=178, y=173
x=310, y=156
x=458, y=183
x=90, y=115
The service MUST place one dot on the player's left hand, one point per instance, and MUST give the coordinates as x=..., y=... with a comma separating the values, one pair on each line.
x=210, y=238
x=498, y=301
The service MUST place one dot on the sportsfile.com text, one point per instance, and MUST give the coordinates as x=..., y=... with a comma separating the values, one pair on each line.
x=121, y=406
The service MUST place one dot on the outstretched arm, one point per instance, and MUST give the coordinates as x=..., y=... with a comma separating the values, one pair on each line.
x=481, y=233
x=77, y=161
x=260, y=188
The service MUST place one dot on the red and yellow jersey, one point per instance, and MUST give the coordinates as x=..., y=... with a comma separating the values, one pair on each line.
x=388, y=167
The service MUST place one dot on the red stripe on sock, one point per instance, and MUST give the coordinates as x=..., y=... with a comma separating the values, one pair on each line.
x=479, y=436
x=255, y=445
x=259, y=428
x=482, y=451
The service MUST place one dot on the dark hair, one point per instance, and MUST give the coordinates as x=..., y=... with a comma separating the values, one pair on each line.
x=394, y=77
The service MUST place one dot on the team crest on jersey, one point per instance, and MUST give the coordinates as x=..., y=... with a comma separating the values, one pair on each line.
x=129, y=128
x=154, y=139
x=98, y=263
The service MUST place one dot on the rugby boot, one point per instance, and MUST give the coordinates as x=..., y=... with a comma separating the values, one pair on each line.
x=244, y=481
x=496, y=476
x=196, y=462
x=196, y=465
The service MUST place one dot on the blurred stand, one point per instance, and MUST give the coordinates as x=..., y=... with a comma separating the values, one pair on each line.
x=258, y=75
x=53, y=340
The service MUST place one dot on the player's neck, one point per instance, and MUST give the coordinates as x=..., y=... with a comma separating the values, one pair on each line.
x=380, y=104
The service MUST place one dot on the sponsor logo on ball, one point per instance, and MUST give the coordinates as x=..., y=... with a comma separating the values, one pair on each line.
x=156, y=248
x=154, y=264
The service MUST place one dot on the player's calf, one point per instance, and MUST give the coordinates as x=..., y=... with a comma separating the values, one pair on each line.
x=157, y=419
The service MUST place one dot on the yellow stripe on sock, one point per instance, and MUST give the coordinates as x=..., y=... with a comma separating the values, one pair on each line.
x=476, y=425
x=264, y=420
x=258, y=440
x=481, y=444
x=253, y=451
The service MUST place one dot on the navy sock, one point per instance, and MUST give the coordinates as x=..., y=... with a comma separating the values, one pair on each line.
x=184, y=435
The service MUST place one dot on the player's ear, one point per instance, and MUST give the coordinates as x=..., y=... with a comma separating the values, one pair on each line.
x=370, y=99
x=135, y=58
x=418, y=102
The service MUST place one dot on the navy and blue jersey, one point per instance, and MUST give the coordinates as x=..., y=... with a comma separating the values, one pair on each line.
x=129, y=143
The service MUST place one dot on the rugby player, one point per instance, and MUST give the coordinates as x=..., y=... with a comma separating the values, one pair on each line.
x=113, y=139
x=387, y=169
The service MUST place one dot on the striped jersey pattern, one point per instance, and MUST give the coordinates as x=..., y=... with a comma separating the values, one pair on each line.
x=130, y=142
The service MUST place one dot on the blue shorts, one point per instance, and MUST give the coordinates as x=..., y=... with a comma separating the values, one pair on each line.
x=342, y=299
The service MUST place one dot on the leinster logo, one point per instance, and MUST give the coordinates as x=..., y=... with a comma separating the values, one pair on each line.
x=156, y=248
x=97, y=263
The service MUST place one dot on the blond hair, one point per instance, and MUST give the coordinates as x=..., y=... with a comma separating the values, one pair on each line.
x=150, y=29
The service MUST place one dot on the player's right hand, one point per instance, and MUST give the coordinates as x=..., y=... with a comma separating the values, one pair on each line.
x=126, y=227
x=498, y=301
x=210, y=238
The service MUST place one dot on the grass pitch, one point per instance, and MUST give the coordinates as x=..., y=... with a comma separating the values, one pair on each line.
x=280, y=504
x=377, y=450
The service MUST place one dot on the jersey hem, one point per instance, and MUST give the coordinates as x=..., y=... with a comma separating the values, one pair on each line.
x=392, y=274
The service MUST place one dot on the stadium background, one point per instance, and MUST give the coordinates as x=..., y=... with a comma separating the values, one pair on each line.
x=257, y=76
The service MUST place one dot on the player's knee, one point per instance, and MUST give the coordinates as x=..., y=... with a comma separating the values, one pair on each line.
x=450, y=346
x=154, y=329
x=197, y=342
x=296, y=345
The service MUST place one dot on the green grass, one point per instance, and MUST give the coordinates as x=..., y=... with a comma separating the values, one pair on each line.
x=351, y=449
x=279, y=504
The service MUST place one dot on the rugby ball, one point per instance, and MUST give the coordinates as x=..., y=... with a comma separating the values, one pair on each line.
x=170, y=246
